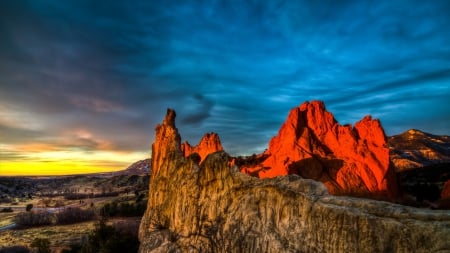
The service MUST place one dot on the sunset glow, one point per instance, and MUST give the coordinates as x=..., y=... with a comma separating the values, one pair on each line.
x=35, y=162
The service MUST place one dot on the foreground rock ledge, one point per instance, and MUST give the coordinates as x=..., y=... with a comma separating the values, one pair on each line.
x=212, y=207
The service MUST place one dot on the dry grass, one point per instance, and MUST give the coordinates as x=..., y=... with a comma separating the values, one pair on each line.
x=59, y=236
x=6, y=218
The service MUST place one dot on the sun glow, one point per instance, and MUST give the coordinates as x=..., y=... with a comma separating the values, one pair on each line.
x=68, y=162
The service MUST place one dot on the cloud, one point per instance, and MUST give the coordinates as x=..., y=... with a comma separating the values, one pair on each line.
x=234, y=67
x=197, y=110
x=94, y=104
x=16, y=134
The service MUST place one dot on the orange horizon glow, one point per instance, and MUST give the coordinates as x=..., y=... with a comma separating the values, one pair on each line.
x=50, y=169
x=50, y=162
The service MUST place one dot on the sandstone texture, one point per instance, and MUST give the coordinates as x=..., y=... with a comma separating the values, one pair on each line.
x=348, y=160
x=212, y=207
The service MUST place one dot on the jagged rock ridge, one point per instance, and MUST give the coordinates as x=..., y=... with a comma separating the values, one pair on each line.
x=212, y=207
x=348, y=160
x=414, y=149
x=209, y=143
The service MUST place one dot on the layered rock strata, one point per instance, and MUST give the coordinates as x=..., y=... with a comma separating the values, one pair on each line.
x=212, y=207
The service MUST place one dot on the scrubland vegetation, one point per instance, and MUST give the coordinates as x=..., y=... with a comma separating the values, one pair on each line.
x=104, y=219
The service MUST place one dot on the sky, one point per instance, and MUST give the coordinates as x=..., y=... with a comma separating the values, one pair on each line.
x=84, y=83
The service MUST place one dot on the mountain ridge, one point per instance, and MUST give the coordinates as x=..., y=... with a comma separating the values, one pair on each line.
x=415, y=148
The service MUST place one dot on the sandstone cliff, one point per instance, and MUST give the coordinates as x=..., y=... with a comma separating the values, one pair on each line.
x=212, y=207
x=348, y=160
x=210, y=143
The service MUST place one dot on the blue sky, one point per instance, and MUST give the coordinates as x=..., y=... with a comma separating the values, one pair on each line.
x=99, y=75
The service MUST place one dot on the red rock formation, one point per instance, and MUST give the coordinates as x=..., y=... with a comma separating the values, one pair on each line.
x=167, y=140
x=348, y=160
x=209, y=144
x=445, y=193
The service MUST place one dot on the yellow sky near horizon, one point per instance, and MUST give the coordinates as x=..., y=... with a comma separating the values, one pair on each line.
x=66, y=162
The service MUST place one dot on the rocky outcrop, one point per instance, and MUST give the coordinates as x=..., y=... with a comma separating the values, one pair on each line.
x=212, y=207
x=445, y=193
x=210, y=143
x=348, y=160
x=167, y=141
x=415, y=149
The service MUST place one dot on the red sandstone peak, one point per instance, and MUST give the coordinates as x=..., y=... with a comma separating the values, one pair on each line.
x=445, y=193
x=167, y=140
x=209, y=143
x=348, y=160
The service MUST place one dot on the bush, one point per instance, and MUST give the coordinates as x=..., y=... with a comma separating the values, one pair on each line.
x=74, y=215
x=42, y=245
x=124, y=209
x=75, y=196
x=74, y=248
x=6, y=210
x=15, y=249
x=29, y=207
x=106, y=238
x=30, y=219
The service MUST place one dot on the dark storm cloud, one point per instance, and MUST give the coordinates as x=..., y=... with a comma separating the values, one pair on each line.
x=233, y=67
x=196, y=111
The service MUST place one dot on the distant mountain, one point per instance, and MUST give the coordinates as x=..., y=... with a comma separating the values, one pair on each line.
x=414, y=149
x=141, y=167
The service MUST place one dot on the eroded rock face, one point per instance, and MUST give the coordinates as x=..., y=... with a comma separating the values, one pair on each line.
x=348, y=160
x=212, y=207
x=209, y=144
x=167, y=141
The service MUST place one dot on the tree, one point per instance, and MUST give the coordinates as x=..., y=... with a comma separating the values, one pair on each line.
x=42, y=245
x=29, y=207
x=105, y=238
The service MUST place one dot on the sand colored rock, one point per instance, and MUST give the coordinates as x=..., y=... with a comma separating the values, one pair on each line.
x=348, y=160
x=209, y=144
x=212, y=207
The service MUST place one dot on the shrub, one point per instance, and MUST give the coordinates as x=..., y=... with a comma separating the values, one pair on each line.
x=30, y=219
x=74, y=215
x=42, y=245
x=6, y=210
x=15, y=249
x=124, y=209
x=106, y=238
x=74, y=248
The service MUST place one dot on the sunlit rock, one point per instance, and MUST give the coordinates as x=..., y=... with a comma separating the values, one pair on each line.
x=348, y=160
x=212, y=207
